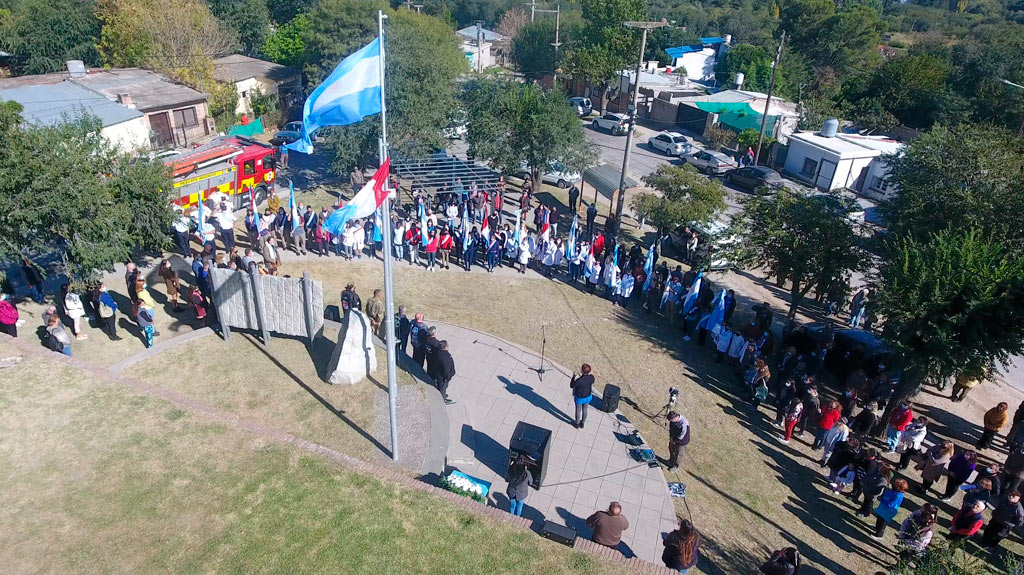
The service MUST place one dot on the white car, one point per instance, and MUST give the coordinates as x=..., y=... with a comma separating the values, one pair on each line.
x=615, y=124
x=556, y=175
x=710, y=162
x=670, y=144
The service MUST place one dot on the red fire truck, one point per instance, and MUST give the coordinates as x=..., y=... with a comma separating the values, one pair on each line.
x=231, y=165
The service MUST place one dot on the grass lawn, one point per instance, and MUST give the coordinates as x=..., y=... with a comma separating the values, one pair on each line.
x=100, y=480
x=282, y=385
x=748, y=493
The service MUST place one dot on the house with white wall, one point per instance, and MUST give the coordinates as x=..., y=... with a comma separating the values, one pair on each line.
x=478, y=44
x=51, y=104
x=699, y=59
x=251, y=74
x=828, y=161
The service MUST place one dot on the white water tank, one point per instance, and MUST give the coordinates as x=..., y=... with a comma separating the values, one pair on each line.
x=829, y=128
x=737, y=80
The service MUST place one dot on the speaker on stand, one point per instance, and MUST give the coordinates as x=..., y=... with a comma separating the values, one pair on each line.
x=610, y=399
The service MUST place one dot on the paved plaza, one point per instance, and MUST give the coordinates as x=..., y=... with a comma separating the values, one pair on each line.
x=498, y=386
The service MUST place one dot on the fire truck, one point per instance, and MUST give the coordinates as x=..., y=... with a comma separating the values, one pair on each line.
x=231, y=165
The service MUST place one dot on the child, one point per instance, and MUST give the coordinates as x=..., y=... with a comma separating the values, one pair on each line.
x=723, y=342
x=843, y=478
x=888, y=506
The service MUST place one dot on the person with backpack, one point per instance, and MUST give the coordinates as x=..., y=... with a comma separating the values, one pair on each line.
x=56, y=338
x=783, y=562
x=8, y=316
x=107, y=311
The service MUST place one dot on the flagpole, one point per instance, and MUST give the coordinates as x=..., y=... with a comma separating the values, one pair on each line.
x=389, y=286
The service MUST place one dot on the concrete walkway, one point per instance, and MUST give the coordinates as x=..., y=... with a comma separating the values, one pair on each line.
x=496, y=386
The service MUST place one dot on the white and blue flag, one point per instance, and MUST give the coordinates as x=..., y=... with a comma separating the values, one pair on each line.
x=570, y=246
x=691, y=297
x=348, y=95
x=649, y=268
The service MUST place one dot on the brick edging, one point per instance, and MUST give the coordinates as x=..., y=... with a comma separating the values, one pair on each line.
x=352, y=463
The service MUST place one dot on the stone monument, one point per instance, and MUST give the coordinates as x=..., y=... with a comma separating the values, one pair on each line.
x=354, y=357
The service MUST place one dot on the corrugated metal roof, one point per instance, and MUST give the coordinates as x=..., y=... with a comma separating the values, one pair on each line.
x=605, y=178
x=469, y=32
x=50, y=104
x=236, y=67
x=148, y=90
x=712, y=40
x=678, y=51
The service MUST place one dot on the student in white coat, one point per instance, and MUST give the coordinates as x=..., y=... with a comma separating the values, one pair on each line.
x=724, y=341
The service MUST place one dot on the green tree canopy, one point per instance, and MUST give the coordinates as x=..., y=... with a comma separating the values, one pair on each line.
x=287, y=45
x=65, y=188
x=43, y=35
x=249, y=20
x=952, y=302
x=684, y=196
x=424, y=62
x=970, y=176
x=797, y=238
x=836, y=40
x=606, y=47
x=532, y=51
x=511, y=124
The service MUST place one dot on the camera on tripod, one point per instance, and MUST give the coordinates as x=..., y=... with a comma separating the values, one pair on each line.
x=673, y=395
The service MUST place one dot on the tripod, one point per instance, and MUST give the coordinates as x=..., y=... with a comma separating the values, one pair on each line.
x=663, y=412
x=543, y=344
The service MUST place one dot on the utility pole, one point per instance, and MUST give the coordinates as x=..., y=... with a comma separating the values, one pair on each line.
x=533, y=9
x=768, y=101
x=558, y=13
x=644, y=27
x=479, y=46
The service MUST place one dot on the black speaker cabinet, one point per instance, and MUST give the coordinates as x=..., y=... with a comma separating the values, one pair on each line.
x=560, y=533
x=535, y=443
x=610, y=400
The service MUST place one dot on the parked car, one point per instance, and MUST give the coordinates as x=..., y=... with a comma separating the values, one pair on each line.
x=285, y=137
x=754, y=178
x=615, y=124
x=710, y=163
x=293, y=127
x=844, y=206
x=583, y=106
x=670, y=144
x=714, y=234
x=855, y=348
x=556, y=175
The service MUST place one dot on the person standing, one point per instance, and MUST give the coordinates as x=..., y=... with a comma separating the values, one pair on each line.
x=911, y=440
x=837, y=435
x=591, y=216
x=34, y=279
x=582, y=385
x=961, y=385
x=1007, y=516
x=960, y=469
x=445, y=245
x=180, y=229
x=574, y=198
x=519, y=480
x=872, y=486
x=857, y=307
x=430, y=346
x=399, y=229
x=349, y=301
x=935, y=464
x=678, y=438
x=144, y=317
x=682, y=547
x=608, y=525
x=107, y=313
x=431, y=249
x=898, y=422
x=793, y=414
x=226, y=226
x=888, y=506
x=442, y=370
x=418, y=339
x=402, y=327
x=827, y=419
x=74, y=309
x=995, y=420
x=812, y=409
x=171, y=283
x=375, y=311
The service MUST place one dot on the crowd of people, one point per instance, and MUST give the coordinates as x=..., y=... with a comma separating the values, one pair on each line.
x=467, y=227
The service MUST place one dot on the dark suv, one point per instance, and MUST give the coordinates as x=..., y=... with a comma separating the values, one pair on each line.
x=754, y=178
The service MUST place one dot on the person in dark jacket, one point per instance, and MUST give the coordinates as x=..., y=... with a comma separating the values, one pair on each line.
x=1006, y=517
x=845, y=453
x=418, y=339
x=431, y=345
x=960, y=469
x=867, y=464
x=519, y=480
x=678, y=437
x=872, y=486
x=682, y=547
x=34, y=279
x=444, y=369
x=350, y=301
x=865, y=420
x=608, y=525
x=730, y=304
x=582, y=392
x=402, y=329
x=783, y=562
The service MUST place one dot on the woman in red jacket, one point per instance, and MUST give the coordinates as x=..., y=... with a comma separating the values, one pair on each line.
x=830, y=414
x=445, y=245
x=967, y=521
x=431, y=248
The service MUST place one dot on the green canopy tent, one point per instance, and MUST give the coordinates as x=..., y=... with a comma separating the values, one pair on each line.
x=738, y=115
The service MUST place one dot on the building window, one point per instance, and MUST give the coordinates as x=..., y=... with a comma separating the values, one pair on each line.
x=186, y=117
x=878, y=183
x=810, y=167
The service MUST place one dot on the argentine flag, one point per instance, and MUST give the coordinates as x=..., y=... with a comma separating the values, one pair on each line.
x=570, y=246
x=691, y=297
x=348, y=95
x=649, y=267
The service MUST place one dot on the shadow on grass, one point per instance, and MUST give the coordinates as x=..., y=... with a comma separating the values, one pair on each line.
x=339, y=413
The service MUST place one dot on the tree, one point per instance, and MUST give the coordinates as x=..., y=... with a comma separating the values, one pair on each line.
x=836, y=40
x=606, y=46
x=532, y=51
x=249, y=20
x=65, y=188
x=512, y=21
x=424, y=62
x=797, y=238
x=953, y=559
x=284, y=11
x=660, y=39
x=970, y=176
x=512, y=124
x=952, y=302
x=178, y=38
x=755, y=62
x=43, y=35
x=287, y=44
x=685, y=196
x=749, y=137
